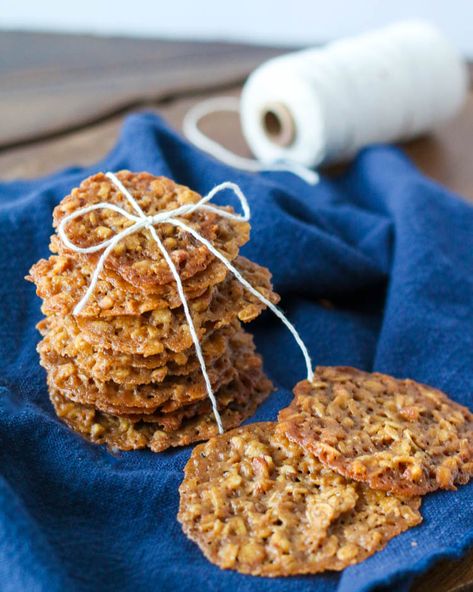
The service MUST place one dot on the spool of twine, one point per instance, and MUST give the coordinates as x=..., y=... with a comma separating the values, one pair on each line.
x=324, y=104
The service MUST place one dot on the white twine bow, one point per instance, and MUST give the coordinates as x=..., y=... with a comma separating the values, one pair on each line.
x=142, y=221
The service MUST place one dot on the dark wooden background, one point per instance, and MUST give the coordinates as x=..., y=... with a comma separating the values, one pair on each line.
x=63, y=98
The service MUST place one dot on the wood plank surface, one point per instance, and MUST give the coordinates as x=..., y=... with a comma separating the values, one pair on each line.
x=51, y=84
x=63, y=99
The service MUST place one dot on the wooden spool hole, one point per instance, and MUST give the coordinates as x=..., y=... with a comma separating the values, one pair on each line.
x=278, y=124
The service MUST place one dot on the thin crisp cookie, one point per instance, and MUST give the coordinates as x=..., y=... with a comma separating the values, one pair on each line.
x=61, y=281
x=137, y=258
x=237, y=401
x=259, y=504
x=62, y=336
x=155, y=331
x=395, y=435
x=168, y=395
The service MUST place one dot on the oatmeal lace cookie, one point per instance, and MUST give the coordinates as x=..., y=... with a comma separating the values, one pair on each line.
x=259, y=504
x=61, y=281
x=240, y=400
x=153, y=332
x=137, y=257
x=62, y=336
x=395, y=435
x=112, y=397
x=171, y=393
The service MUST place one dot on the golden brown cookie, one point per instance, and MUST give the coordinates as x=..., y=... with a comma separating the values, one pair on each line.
x=259, y=504
x=245, y=394
x=395, y=435
x=137, y=257
x=153, y=332
x=249, y=380
x=119, y=399
x=61, y=281
x=169, y=394
x=62, y=336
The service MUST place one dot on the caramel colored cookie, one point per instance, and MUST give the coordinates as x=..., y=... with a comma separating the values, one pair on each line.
x=395, y=435
x=111, y=397
x=170, y=421
x=125, y=434
x=169, y=394
x=259, y=504
x=61, y=281
x=62, y=336
x=137, y=257
x=249, y=371
x=153, y=332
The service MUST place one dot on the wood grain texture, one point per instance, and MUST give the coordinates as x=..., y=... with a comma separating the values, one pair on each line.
x=54, y=83
x=63, y=100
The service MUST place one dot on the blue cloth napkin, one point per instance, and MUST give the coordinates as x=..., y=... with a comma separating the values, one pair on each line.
x=375, y=268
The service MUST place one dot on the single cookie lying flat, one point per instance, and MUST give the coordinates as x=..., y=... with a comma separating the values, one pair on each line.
x=396, y=435
x=255, y=502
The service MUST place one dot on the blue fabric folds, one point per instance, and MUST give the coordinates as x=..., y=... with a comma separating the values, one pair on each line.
x=391, y=251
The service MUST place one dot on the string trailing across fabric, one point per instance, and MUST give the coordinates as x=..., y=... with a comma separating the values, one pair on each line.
x=143, y=222
x=323, y=105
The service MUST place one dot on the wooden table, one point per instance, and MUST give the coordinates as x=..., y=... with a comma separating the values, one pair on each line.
x=63, y=99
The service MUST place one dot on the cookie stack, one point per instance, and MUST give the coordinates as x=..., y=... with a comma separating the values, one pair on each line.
x=124, y=370
x=332, y=482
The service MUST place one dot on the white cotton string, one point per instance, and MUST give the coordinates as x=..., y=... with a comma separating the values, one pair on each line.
x=190, y=126
x=142, y=221
x=253, y=291
x=190, y=323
